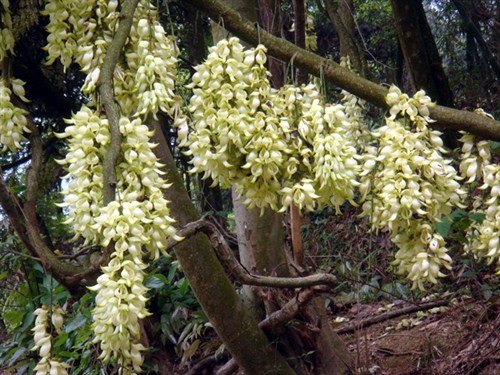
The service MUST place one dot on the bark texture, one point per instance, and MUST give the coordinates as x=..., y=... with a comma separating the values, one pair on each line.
x=232, y=320
x=420, y=51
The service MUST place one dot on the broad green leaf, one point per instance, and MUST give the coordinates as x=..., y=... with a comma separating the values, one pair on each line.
x=478, y=217
x=76, y=323
x=156, y=281
x=61, y=339
x=18, y=354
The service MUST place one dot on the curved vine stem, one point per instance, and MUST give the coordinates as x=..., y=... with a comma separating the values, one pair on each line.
x=108, y=100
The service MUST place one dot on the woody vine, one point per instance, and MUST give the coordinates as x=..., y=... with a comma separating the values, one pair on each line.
x=276, y=147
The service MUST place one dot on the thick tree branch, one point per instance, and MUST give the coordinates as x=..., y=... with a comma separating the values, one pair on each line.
x=108, y=100
x=333, y=72
x=60, y=269
x=12, y=209
x=238, y=271
x=276, y=320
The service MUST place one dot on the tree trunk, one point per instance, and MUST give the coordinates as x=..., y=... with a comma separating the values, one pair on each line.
x=343, y=22
x=420, y=51
x=231, y=319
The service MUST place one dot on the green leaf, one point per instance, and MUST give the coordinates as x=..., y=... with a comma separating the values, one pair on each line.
x=156, y=281
x=3, y=275
x=495, y=145
x=173, y=270
x=67, y=354
x=443, y=227
x=29, y=318
x=61, y=339
x=77, y=322
x=478, y=217
x=19, y=352
x=23, y=369
x=14, y=317
x=458, y=214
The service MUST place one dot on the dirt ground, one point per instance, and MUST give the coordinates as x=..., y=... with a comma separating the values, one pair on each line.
x=461, y=337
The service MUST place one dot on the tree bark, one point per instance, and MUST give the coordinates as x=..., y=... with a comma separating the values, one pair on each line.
x=230, y=317
x=420, y=51
x=343, y=22
x=473, y=29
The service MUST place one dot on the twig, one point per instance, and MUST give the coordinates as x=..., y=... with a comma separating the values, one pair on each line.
x=389, y=315
x=24, y=255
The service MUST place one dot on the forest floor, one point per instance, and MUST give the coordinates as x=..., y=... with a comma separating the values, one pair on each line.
x=460, y=337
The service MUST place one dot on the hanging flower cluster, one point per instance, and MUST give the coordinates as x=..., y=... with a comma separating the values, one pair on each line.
x=13, y=121
x=43, y=341
x=138, y=222
x=6, y=36
x=407, y=185
x=120, y=303
x=89, y=139
x=277, y=147
x=477, y=165
x=356, y=128
x=144, y=80
x=79, y=31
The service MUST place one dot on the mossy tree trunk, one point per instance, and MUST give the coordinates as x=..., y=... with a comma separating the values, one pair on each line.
x=230, y=317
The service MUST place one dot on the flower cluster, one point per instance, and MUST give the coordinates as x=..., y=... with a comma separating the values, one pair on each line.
x=407, y=185
x=120, y=302
x=79, y=31
x=6, y=36
x=153, y=58
x=137, y=224
x=356, y=128
x=416, y=108
x=278, y=147
x=13, y=121
x=43, y=341
x=89, y=139
x=144, y=79
x=477, y=166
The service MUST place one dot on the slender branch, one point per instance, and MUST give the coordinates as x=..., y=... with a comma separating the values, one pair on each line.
x=389, y=315
x=25, y=255
x=108, y=100
x=238, y=271
x=333, y=72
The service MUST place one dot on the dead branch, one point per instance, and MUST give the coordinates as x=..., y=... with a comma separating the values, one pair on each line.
x=389, y=315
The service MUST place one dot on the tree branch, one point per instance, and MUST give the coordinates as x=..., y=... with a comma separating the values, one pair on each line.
x=108, y=100
x=333, y=72
x=49, y=259
x=238, y=271
x=12, y=209
x=390, y=315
